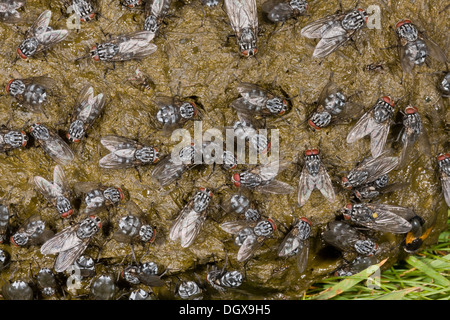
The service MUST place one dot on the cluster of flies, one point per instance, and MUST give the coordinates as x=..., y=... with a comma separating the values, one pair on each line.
x=366, y=181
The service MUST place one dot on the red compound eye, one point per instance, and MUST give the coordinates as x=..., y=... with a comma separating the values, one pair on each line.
x=388, y=100
x=306, y=220
x=308, y=152
x=9, y=83
x=313, y=125
x=236, y=179
x=315, y=151
x=245, y=53
x=20, y=53
x=402, y=22
x=411, y=109
x=273, y=224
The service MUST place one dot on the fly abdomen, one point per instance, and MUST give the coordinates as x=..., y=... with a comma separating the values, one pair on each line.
x=416, y=51
x=167, y=115
x=35, y=94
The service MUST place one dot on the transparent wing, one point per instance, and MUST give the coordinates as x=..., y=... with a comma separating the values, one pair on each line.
x=328, y=45
x=58, y=150
x=275, y=187
x=276, y=7
x=115, y=161
x=306, y=185
x=134, y=45
x=302, y=256
x=378, y=138
x=114, y=143
x=317, y=28
x=177, y=227
x=253, y=93
x=248, y=247
x=62, y=241
x=435, y=51
x=191, y=226
x=289, y=244
x=363, y=127
x=151, y=280
x=51, y=37
x=59, y=178
x=242, y=14
x=445, y=181
x=41, y=23
x=166, y=172
x=48, y=189
x=405, y=62
x=234, y=227
x=324, y=184
x=66, y=258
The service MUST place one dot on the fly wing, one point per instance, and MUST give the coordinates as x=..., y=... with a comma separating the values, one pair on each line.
x=190, y=228
x=306, y=185
x=317, y=28
x=62, y=241
x=58, y=150
x=48, y=189
x=166, y=172
x=270, y=170
x=378, y=138
x=234, y=227
x=177, y=227
x=387, y=221
x=44, y=81
x=66, y=258
x=59, y=178
x=253, y=93
x=156, y=6
x=83, y=97
x=114, y=143
x=289, y=244
x=376, y=167
x=331, y=40
x=280, y=8
x=275, y=187
x=330, y=88
x=93, y=108
x=248, y=247
x=445, y=181
x=151, y=280
x=41, y=24
x=406, y=63
x=51, y=37
x=116, y=161
x=408, y=139
x=85, y=187
x=435, y=51
x=405, y=213
x=363, y=127
x=323, y=183
x=340, y=235
x=302, y=256
x=242, y=14
x=243, y=106
x=134, y=45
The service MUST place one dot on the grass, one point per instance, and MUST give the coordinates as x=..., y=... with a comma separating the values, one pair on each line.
x=424, y=276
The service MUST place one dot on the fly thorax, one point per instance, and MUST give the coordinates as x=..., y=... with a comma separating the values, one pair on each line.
x=304, y=230
x=88, y=227
x=445, y=84
x=146, y=233
x=201, y=201
x=367, y=192
x=299, y=5
x=131, y=274
x=247, y=41
x=413, y=122
x=250, y=180
x=239, y=203
x=365, y=247
x=113, y=194
x=444, y=165
x=356, y=178
x=94, y=198
x=188, y=290
x=321, y=119
x=187, y=110
x=259, y=143
x=35, y=94
x=187, y=154
x=16, y=87
x=252, y=215
x=76, y=130
x=29, y=46
x=4, y=216
x=15, y=139
x=312, y=163
x=106, y=51
x=149, y=268
x=40, y=132
x=63, y=205
x=275, y=105
x=146, y=154
x=242, y=235
x=229, y=160
x=20, y=238
x=408, y=32
x=362, y=213
x=129, y=225
x=335, y=103
x=382, y=111
x=84, y=9
x=232, y=279
x=166, y=115
x=263, y=228
x=382, y=181
x=416, y=51
x=151, y=24
x=354, y=20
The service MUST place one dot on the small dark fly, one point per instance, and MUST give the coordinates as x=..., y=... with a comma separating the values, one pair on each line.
x=169, y=170
x=334, y=30
x=155, y=12
x=243, y=17
x=85, y=9
x=374, y=67
x=127, y=153
x=189, y=222
x=40, y=36
x=56, y=192
x=31, y=92
x=71, y=242
x=331, y=107
x=46, y=282
x=4, y=222
x=282, y=10
x=146, y=273
x=296, y=243
x=444, y=172
x=133, y=227
x=414, y=47
x=128, y=46
x=12, y=139
x=86, y=110
x=141, y=80
x=376, y=123
x=8, y=10
x=419, y=232
x=250, y=235
x=103, y=288
x=189, y=290
x=348, y=239
x=357, y=265
x=369, y=170
x=53, y=145
x=34, y=231
x=314, y=176
x=377, y=187
x=174, y=113
x=380, y=217
x=262, y=179
x=413, y=130
x=444, y=85
x=98, y=196
x=5, y=258
x=17, y=290
x=255, y=101
x=222, y=279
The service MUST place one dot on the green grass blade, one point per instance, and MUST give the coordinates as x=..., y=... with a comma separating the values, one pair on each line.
x=397, y=295
x=348, y=283
x=428, y=270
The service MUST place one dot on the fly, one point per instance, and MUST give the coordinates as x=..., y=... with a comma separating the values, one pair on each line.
x=56, y=192
x=4, y=223
x=221, y=279
x=98, y=196
x=34, y=231
x=12, y=139
x=86, y=110
x=31, y=93
x=40, y=36
x=314, y=176
x=71, y=242
x=334, y=30
x=8, y=10
x=86, y=10
x=46, y=282
x=174, y=113
x=282, y=10
x=146, y=273
x=156, y=11
x=444, y=172
x=377, y=187
x=376, y=123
